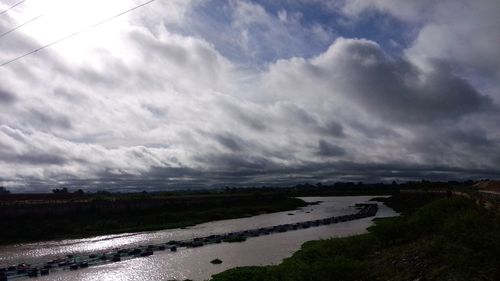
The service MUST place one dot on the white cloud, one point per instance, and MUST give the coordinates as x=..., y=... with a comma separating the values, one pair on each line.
x=463, y=34
x=151, y=103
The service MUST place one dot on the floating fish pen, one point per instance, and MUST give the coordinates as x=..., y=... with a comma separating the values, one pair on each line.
x=33, y=272
x=146, y=253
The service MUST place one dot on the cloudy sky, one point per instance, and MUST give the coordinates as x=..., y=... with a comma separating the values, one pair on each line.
x=199, y=93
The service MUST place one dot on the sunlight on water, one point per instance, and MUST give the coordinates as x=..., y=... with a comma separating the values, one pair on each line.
x=194, y=263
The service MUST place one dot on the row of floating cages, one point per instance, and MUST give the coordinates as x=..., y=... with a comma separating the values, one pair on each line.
x=73, y=263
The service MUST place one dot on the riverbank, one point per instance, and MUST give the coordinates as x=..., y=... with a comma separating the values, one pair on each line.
x=435, y=239
x=194, y=262
x=92, y=216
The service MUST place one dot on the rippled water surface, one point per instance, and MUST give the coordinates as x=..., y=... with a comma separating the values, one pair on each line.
x=194, y=263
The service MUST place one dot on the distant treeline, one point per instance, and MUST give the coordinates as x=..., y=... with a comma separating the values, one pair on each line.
x=336, y=185
x=338, y=188
x=356, y=188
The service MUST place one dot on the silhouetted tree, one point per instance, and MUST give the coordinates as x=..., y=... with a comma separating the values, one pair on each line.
x=4, y=190
x=79, y=192
x=62, y=190
x=103, y=192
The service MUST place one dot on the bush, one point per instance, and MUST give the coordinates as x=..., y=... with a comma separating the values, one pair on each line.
x=391, y=230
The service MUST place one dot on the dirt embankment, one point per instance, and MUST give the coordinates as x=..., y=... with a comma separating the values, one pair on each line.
x=493, y=186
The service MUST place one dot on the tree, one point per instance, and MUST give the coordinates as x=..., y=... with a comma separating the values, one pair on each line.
x=62, y=190
x=4, y=190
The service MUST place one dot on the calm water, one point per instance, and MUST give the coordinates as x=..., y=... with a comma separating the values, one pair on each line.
x=194, y=263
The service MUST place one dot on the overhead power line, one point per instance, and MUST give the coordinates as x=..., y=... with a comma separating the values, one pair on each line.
x=75, y=33
x=12, y=7
x=19, y=26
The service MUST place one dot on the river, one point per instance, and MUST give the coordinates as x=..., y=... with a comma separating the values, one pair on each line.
x=194, y=263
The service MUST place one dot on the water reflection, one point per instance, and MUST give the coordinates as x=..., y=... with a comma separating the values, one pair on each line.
x=194, y=263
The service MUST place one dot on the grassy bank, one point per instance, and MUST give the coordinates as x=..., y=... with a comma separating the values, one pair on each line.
x=435, y=239
x=87, y=222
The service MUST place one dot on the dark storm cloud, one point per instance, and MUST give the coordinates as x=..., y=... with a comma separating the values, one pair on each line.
x=49, y=119
x=398, y=91
x=231, y=142
x=6, y=97
x=237, y=162
x=462, y=147
x=40, y=159
x=472, y=137
x=173, y=172
x=372, y=172
x=373, y=132
x=296, y=116
x=243, y=115
x=341, y=171
x=326, y=149
x=32, y=158
x=251, y=121
x=239, y=172
x=156, y=110
x=333, y=128
x=181, y=178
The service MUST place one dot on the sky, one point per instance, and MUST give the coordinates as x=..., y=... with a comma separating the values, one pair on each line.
x=212, y=93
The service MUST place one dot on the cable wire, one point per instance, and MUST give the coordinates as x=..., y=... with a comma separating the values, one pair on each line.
x=12, y=7
x=76, y=33
x=19, y=26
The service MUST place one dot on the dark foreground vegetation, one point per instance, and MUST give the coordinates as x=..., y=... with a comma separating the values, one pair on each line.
x=58, y=216
x=436, y=239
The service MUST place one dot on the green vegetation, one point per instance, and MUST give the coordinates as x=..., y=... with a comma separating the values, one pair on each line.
x=445, y=239
x=110, y=215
